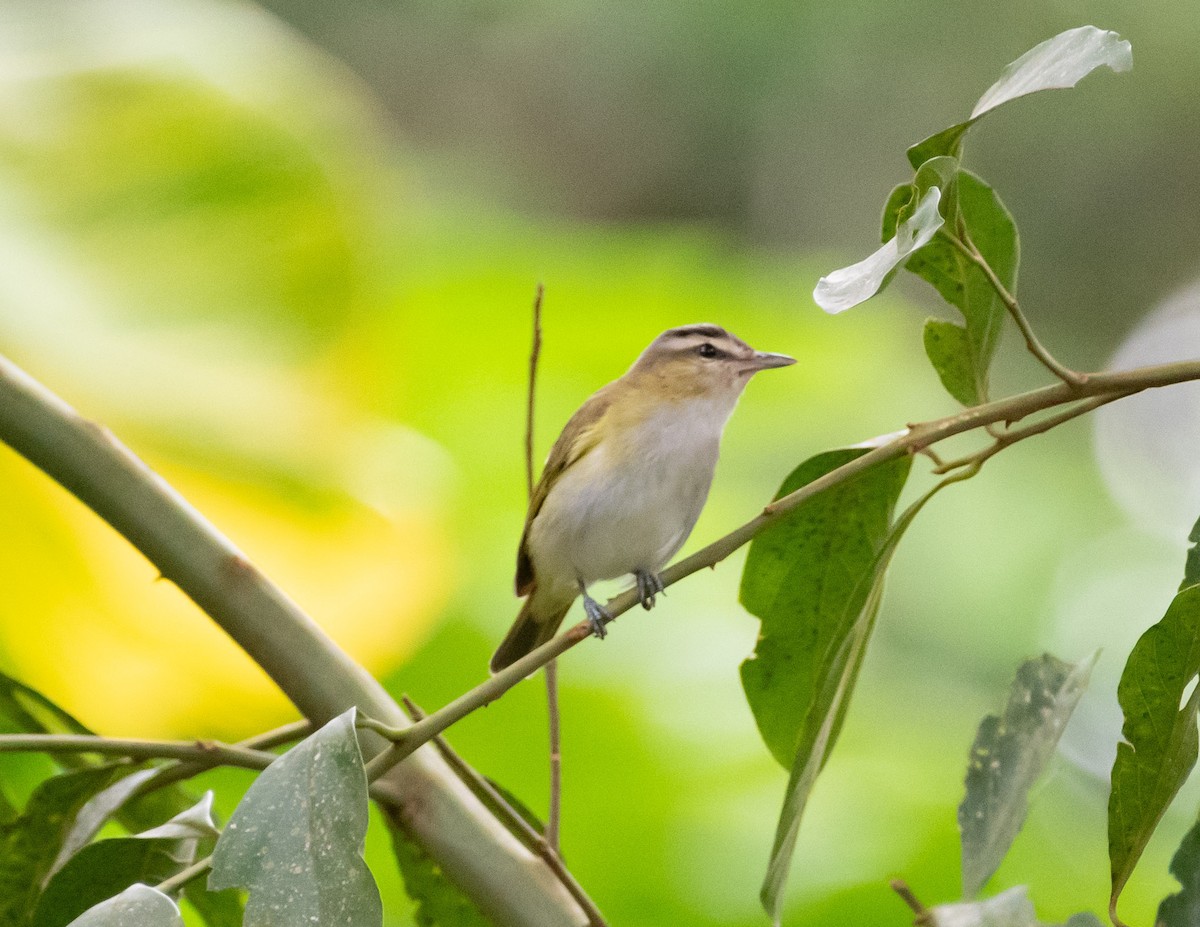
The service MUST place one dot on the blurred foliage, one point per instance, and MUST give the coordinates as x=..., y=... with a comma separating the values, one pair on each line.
x=311, y=315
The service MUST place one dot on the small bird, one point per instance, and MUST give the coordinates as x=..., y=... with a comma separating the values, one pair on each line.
x=627, y=478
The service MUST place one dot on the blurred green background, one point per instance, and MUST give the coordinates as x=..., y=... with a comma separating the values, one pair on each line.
x=287, y=252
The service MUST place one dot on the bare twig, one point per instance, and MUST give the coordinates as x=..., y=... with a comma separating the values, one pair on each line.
x=201, y=752
x=915, y=439
x=967, y=248
x=535, y=354
x=516, y=822
x=554, y=813
x=1004, y=439
x=920, y=912
x=185, y=769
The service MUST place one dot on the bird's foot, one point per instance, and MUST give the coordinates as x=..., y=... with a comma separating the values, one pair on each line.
x=648, y=586
x=597, y=617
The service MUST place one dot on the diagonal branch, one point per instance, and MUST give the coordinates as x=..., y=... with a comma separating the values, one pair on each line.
x=917, y=438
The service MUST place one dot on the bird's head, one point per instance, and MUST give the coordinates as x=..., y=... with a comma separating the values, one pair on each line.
x=700, y=360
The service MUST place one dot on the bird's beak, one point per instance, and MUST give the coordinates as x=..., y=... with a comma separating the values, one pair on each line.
x=761, y=360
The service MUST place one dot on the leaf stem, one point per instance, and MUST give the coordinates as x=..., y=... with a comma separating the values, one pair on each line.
x=967, y=248
x=184, y=876
x=915, y=439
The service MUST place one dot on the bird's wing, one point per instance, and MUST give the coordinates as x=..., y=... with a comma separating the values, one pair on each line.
x=580, y=435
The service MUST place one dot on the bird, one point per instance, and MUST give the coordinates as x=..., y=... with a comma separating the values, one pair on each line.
x=625, y=482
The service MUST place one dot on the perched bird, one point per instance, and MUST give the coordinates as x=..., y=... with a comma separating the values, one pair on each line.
x=627, y=478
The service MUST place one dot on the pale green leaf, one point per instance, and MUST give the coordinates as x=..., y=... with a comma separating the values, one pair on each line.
x=295, y=841
x=1160, y=732
x=847, y=287
x=137, y=906
x=1008, y=755
x=1008, y=909
x=1056, y=64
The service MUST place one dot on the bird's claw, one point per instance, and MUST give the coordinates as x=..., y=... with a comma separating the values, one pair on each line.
x=648, y=586
x=597, y=617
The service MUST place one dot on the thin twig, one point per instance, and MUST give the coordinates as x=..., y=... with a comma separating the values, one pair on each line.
x=535, y=354
x=515, y=821
x=967, y=248
x=554, y=812
x=913, y=440
x=184, y=876
x=207, y=752
x=185, y=769
x=920, y=912
x=1006, y=438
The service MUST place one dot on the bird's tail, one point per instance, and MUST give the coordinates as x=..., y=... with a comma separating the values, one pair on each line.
x=533, y=627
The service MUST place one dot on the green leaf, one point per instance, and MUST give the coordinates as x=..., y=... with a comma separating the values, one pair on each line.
x=439, y=903
x=1008, y=909
x=847, y=287
x=99, y=808
x=815, y=581
x=137, y=906
x=1191, y=566
x=1160, y=732
x=295, y=841
x=807, y=578
x=1008, y=755
x=989, y=226
x=1183, y=908
x=104, y=869
x=948, y=347
x=1056, y=64
x=26, y=711
x=29, y=843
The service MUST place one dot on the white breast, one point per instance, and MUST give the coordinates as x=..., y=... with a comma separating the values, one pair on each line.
x=630, y=504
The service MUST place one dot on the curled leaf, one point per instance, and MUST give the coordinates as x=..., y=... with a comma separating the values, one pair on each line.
x=847, y=287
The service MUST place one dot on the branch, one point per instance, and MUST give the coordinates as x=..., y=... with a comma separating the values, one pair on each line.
x=915, y=439
x=968, y=250
x=184, y=769
x=1006, y=438
x=476, y=852
x=202, y=753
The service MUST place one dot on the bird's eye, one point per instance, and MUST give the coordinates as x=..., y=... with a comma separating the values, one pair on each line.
x=707, y=350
